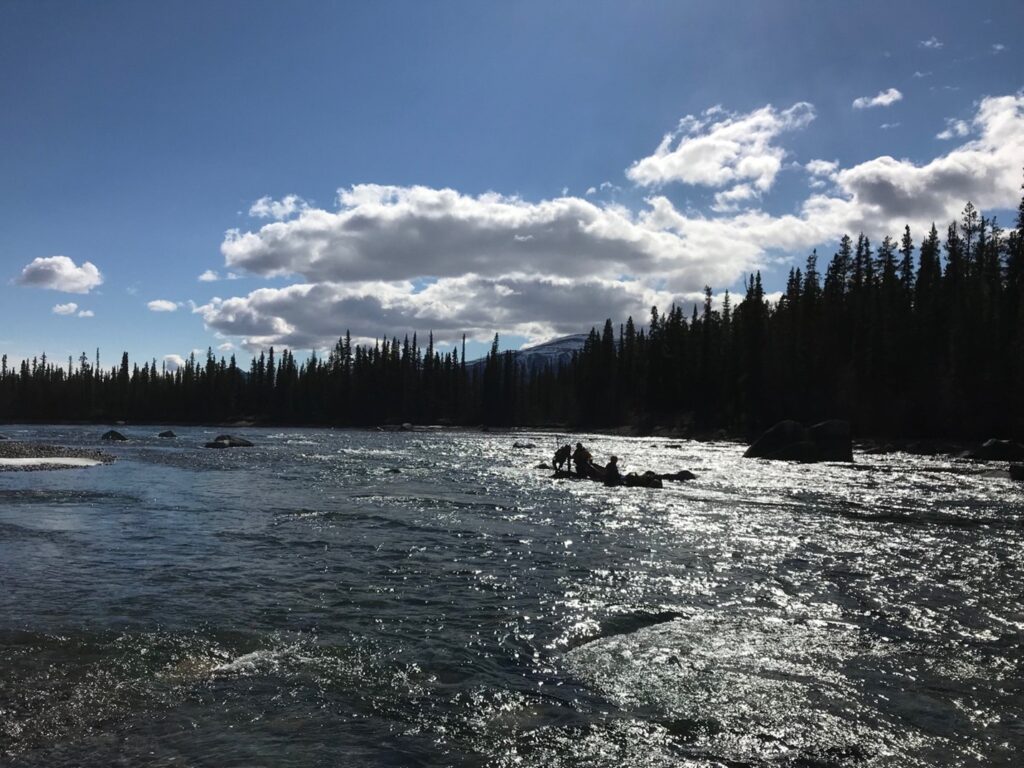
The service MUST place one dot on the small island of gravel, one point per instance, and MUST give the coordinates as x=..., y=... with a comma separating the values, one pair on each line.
x=27, y=457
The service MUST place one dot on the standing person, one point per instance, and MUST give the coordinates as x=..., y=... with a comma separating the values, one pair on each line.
x=562, y=456
x=583, y=460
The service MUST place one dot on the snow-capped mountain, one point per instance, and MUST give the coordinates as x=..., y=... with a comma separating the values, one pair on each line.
x=550, y=354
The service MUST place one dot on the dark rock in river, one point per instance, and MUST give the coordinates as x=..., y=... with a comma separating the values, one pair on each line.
x=791, y=441
x=167, y=433
x=682, y=474
x=1017, y=472
x=646, y=480
x=998, y=450
x=114, y=435
x=544, y=465
x=523, y=445
x=228, y=441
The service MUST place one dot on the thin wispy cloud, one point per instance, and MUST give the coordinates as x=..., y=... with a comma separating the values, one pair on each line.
x=882, y=99
x=932, y=43
x=954, y=129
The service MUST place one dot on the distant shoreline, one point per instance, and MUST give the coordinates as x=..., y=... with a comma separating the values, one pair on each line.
x=874, y=444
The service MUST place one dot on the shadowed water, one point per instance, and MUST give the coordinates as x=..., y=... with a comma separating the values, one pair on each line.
x=298, y=603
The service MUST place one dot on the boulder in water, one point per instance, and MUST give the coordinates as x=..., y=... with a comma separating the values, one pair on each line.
x=998, y=450
x=681, y=475
x=113, y=435
x=167, y=433
x=228, y=441
x=791, y=441
x=523, y=445
x=646, y=480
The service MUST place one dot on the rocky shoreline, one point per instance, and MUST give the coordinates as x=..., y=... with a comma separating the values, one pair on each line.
x=10, y=449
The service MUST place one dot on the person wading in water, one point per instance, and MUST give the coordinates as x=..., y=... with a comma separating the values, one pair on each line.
x=583, y=460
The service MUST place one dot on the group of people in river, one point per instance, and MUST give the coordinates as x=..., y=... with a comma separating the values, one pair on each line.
x=583, y=462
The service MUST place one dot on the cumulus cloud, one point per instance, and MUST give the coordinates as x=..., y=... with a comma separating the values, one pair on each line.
x=162, y=305
x=403, y=233
x=393, y=259
x=882, y=99
x=59, y=273
x=723, y=149
x=174, y=362
x=86, y=313
x=65, y=309
x=286, y=207
x=312, y=315
x=932, y=43
x=997, y=48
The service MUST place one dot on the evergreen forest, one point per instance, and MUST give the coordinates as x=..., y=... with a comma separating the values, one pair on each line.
x=901, y=337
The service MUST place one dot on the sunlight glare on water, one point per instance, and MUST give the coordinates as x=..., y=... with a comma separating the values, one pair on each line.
x=301, y=602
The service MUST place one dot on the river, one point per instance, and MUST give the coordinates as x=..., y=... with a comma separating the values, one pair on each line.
x=300, y=603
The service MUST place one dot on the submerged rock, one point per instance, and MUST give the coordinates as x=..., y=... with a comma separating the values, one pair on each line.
x=167, y=433
x=113, y=435
x=229, y=441
x=523, y=445
x=791, y=441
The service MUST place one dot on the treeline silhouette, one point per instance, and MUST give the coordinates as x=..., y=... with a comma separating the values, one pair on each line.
x=900, y=339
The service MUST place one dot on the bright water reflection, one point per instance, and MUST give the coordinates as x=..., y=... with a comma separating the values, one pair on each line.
x=298, y=603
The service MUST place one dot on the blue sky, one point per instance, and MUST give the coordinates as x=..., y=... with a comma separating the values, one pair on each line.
x=463, y=138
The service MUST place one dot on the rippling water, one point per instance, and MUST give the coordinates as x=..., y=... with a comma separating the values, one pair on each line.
x=299, y=603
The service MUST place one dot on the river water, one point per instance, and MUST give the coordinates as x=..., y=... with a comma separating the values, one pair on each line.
x=299, y=603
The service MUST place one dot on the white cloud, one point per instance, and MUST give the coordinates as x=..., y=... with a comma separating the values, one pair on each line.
x=286, y=207
x=404, y=233
x=211, y=276
x=538, y=307
x=723, y=149
x=174, y=362
x=394, y=259
x=59, y=273
x=882, y=99
x=162, y=305
x=920, y=74
x=86, y=313
x=997, y=48
x=227, y=346
x=954, y=129
x=889, y=126
x=65, y=309
x=932, y=43
x=590, y=191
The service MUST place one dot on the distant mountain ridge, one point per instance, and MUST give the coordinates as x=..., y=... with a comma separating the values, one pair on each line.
x=549, y=354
